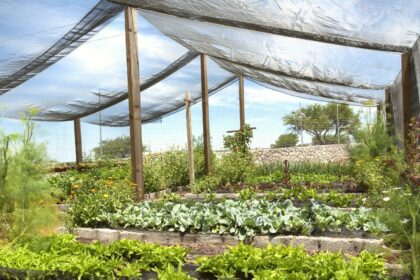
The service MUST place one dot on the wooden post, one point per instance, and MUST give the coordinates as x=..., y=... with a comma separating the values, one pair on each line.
x=389, y=115
x=405, y=60
x=78, y=141
x=205, y=104
x=241, y=102
x=189, y=138
x=134, y=100
x=379, y=112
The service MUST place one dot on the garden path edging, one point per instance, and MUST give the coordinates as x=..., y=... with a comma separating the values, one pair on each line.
x=308, y=243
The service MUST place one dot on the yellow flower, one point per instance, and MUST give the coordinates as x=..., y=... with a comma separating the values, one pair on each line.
x=106, y=195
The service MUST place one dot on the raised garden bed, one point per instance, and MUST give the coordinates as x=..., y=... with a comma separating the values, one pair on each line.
x=351, y=245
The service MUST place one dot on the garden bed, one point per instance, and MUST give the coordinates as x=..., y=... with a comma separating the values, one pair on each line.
x=235, y=217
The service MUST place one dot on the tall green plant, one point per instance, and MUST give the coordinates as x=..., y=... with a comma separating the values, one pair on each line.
x=238, y=163
x=378, y=163
x=26, y=207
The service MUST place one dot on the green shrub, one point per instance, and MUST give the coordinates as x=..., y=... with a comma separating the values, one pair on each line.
x=401, y=214
x=26, y=206
x=286, y=140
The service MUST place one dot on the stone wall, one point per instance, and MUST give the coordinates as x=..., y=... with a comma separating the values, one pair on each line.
x=319, y=153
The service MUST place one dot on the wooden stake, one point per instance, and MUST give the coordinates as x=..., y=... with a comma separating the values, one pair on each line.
x=205, y=104
x=189, y=138
x=405, y=72
x=389, y=115
x=134, y=101
x=78, y=141
x=241, y=102
x=379, y=111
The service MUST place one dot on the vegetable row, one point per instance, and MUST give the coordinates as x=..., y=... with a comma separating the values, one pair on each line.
x=63, y=257
x=240, y=218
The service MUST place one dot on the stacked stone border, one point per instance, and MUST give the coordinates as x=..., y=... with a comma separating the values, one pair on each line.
x=309, y=244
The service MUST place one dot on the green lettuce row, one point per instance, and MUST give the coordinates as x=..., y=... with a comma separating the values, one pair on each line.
x=289, y=263
x=63, y=254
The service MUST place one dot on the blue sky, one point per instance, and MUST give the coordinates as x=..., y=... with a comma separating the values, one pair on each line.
x=101, y=64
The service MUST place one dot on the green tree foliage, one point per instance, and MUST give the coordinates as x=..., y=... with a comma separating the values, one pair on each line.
x=320, y=121
x=117, y=148
x=331, y=139
x=26, y=207
x=286, y=140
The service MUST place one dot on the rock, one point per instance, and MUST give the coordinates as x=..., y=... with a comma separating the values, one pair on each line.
x=107, y=235
x=86, y=233
x=132, y=235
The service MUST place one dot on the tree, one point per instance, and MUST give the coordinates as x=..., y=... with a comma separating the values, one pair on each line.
x=286, y=140
x=119, y=147
x=320, y=121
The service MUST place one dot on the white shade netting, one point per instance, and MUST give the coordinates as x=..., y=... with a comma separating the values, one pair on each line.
x=378, y=24
x=298, y=47
x=171, y=94
x=282, y=55
x=31, y=41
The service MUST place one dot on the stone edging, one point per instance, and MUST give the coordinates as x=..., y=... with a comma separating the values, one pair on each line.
x=308, y=243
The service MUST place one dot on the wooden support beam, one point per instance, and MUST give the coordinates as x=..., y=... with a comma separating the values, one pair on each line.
x=205, y=107
x=189, y=138
x=389, y=114
x=134, y=101
x=405, y=72
x=379, y=111
x=241, y=102
x=78, y=141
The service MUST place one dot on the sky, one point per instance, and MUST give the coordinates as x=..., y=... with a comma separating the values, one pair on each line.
x=100, y=64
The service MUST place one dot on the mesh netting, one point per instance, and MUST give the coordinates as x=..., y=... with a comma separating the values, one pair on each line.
x=19, y=66
x=281, y=44
x=392, y=25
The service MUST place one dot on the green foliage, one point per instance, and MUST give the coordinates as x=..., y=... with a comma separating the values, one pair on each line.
x=236, y=164
x=206, y=184
x=378, y=164
x=331, y=198
x=170, y=273
x=108, y=187
x=317, y=179
x=239, y=142
x=242, y=218
x=320, y=120
x=286, y=140
x=234, y=168
x=26, y=207
x=102, y=196
x=281, y=262
x=330, y=139
x=117, y=148
x=247, y=194
x=63, y=254
x=401, y=214
x=166, y=170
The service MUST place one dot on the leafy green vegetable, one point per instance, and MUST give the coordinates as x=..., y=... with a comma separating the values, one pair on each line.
x=63, y=254
x=281, y=262
x=241, y=218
